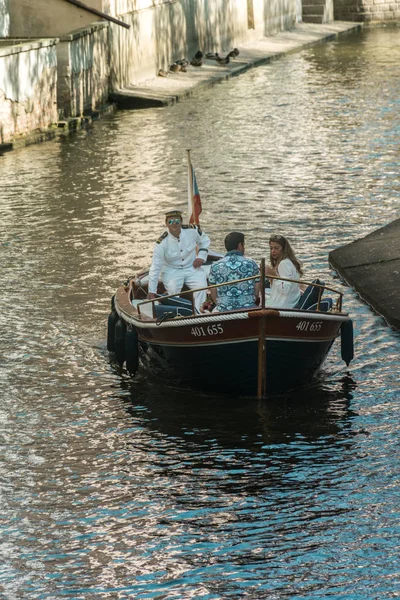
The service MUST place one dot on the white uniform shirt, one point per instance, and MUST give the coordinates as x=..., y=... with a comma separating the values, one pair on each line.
x=177, y=253
x=284, y=294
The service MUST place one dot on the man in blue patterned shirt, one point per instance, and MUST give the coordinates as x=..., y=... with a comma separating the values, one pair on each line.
x=234, y=266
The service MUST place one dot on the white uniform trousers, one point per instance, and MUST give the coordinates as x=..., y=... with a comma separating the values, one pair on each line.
x=174, y=278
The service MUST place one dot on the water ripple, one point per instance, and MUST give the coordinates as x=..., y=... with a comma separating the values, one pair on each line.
x=116, y=488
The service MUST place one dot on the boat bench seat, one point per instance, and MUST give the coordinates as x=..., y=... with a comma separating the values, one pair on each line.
x=325, y=305
x=309, y=298
x=310, y=295
x=145, y=309
x=177, y=307
x=177, y=301
x=174, y=311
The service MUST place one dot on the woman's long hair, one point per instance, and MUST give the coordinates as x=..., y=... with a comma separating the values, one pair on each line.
x=287, y=252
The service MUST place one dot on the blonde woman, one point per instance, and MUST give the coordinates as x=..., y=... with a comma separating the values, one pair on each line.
x=284, y=294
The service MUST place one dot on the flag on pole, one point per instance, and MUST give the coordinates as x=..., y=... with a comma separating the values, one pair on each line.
x=194, y=199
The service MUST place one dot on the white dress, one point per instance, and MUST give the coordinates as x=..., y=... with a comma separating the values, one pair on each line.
x=284, y=294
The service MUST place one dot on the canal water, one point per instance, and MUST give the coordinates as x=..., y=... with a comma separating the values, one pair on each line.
x=117, y=488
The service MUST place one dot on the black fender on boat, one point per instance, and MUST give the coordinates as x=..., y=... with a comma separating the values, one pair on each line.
x=119, y=341
x=347, y=341
x=131, y=350
x=112, y=320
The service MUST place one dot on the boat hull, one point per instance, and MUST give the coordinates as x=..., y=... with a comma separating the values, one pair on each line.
x=226, y=352
x=233, y=368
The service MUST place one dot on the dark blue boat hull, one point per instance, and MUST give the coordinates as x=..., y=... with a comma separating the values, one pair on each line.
x=232, y=368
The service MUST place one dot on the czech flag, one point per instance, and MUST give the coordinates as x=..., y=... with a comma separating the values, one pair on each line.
x=194, y=199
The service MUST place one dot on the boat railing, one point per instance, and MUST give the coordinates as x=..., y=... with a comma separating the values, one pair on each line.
x=337, y=306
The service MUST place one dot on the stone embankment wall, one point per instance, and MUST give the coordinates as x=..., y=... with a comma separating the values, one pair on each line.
x=368, y=11
x=42, y=18
x=28, y=94
x=90, y=60
x=83, y=70
x=46, y=81
x=317, y=11
x=4, y=18
x=163, y=31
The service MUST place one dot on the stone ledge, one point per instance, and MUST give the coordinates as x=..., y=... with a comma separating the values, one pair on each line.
x=84, y=31
x=70, y=124
x=34, y=138
x=371, y=266
x=17, y=45
x=63, y=127
x=164, y=91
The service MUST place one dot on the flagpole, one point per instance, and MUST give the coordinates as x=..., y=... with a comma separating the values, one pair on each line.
x=190, y=186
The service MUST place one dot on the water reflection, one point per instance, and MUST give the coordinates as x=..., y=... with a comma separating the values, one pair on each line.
x=247, y=447
x=112, y=487
x=311, y=412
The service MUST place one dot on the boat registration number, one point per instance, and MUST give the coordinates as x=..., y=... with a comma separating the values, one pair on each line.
x=214, y=329
x=309, y=326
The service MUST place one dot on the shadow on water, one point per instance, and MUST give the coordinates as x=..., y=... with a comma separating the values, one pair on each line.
x=310, y=412
x=242, y=446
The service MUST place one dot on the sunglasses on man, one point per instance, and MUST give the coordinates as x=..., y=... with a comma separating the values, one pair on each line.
x=174, y=221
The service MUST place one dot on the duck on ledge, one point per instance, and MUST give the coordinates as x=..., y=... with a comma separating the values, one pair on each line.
x=197, y=59
x=221, y=60
x=233, y=53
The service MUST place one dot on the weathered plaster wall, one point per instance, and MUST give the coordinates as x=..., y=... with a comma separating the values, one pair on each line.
x=317, y=11
x=329, y=11
x=96, y=57
x=4, y=18
x=161, y=30
x=28, y=75
x=166, y=31
x=299, y=10
x=367, y=10
x=83, y=70
x=41, y=18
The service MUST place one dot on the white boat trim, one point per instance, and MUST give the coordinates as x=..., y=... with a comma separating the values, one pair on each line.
x=218, y=317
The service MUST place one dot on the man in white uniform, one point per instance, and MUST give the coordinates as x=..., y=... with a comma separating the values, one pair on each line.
x=178, y=255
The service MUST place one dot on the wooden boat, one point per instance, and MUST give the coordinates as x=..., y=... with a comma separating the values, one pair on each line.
x=243, y=352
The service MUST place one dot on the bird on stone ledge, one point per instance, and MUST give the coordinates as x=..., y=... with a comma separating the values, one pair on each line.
x=197, y=59
x=220, y=59
x=233, y=53
x=183, y=63
x=175, y=68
